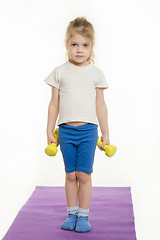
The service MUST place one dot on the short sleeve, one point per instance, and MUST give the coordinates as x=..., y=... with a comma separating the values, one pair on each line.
x=52, y=78
x=101, y=81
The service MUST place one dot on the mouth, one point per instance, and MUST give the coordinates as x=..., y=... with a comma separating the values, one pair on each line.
x=79, y=56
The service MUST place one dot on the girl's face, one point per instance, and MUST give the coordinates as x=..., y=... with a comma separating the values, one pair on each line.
x=79, y=48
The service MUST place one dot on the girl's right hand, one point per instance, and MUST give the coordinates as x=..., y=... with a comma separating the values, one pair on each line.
x=50, y=138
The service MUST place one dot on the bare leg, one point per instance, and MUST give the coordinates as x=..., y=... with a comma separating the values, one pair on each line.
x=71, y=189
x=85, y=189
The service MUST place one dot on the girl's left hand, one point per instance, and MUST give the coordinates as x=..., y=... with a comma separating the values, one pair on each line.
x=105, y=140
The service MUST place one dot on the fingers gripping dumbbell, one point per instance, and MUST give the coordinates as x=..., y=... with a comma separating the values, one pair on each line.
x=110, y=150
x=52, y=149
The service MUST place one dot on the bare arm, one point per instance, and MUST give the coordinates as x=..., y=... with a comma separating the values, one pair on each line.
x=102, y=115
x=53, y=112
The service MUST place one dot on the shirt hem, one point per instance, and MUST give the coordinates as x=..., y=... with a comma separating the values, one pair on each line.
x=105, y=87
x=77, y=120
x=51, y=84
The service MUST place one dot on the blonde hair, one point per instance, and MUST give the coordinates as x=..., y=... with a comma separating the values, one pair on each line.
x=81, y=26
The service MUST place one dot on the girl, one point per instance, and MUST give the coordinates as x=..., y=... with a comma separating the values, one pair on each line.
x=77, y=97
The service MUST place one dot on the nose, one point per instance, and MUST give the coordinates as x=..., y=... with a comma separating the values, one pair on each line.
x=79, y=49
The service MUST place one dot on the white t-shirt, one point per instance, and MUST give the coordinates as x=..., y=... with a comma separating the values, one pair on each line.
x=77, y=91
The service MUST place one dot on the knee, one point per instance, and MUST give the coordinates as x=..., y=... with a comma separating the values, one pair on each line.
x=71, y=176
x=83, y=177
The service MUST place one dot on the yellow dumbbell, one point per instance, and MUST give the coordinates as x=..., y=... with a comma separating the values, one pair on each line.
x=110, y=150
x=51, y=149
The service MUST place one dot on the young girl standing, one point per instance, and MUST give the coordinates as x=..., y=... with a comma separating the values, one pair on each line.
x=77, y=97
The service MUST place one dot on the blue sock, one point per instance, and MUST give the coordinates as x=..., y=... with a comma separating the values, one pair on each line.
x=83, y=224
x=70, y=222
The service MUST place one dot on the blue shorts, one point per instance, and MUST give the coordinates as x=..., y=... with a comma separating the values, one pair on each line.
x=78, y=145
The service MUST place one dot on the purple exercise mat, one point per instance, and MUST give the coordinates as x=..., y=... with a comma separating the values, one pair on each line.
x=110, y=214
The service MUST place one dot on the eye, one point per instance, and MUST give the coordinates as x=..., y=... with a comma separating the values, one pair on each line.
x=86, y=45
x=73, y=44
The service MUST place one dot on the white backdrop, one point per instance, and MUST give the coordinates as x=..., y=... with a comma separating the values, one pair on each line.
x=127, y=50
